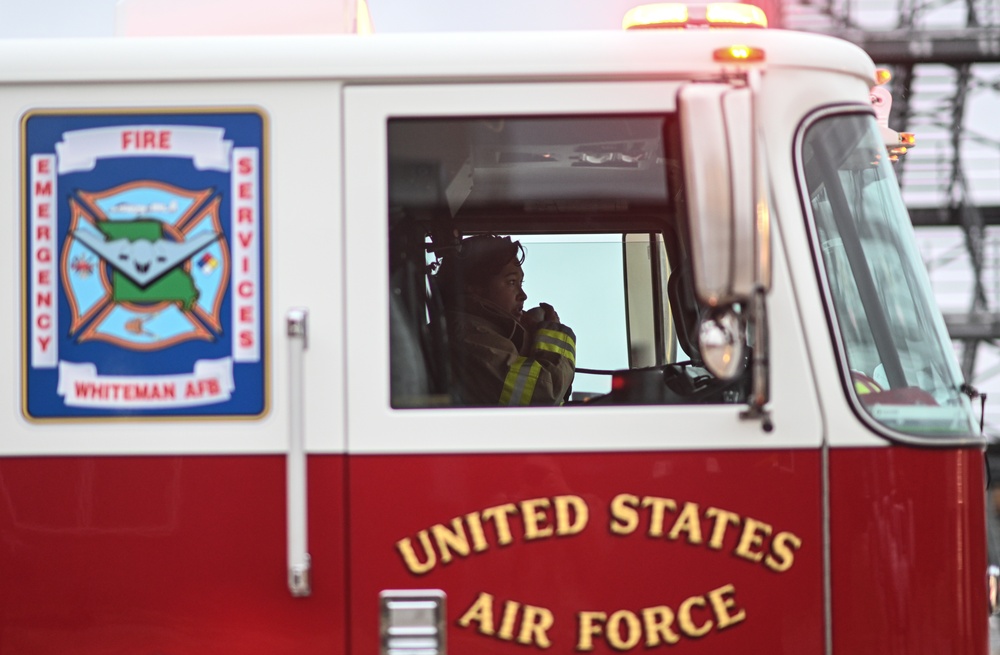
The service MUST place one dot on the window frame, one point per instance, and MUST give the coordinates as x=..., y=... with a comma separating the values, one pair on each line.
x=375, y=427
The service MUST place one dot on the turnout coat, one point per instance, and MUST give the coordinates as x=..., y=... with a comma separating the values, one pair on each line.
x=497, y=361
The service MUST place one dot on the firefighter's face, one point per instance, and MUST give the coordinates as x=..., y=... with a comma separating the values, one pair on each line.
x=504, y=289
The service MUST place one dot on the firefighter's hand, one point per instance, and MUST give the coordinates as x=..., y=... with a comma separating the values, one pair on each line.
x=550, y=312
x=544, y=312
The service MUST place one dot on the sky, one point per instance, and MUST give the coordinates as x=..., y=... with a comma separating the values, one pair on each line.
x=86, y=18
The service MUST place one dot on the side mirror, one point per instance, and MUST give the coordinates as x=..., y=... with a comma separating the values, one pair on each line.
x=717, y=136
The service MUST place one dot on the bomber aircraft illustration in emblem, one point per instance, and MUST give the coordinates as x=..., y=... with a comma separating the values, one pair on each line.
x=144, y=261
x=162, y=265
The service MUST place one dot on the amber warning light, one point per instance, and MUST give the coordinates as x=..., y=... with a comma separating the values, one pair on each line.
x=736, y=53
x=897, y=143
x=678, y=15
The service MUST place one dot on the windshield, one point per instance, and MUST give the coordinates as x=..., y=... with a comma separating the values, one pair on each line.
x=902, y=367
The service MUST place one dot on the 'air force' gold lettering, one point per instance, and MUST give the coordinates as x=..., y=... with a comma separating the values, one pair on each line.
x=623, y=630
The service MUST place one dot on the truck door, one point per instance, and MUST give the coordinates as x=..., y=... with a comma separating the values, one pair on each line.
x=640, y=512
x=146, y=430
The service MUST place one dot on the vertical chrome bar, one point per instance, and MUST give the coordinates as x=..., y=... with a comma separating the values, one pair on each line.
x=295, y=461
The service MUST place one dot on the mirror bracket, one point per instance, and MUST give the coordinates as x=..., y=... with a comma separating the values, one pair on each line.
x=760, y=365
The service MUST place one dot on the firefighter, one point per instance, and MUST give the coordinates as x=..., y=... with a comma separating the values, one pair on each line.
x=501, y=354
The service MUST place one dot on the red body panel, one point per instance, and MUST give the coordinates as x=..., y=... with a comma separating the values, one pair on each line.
x=908, y=551
x=395, y=497
x=164, y=555
x=187, y=554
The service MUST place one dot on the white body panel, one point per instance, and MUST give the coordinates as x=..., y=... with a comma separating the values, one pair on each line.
x=228, y=17
x=330, y=166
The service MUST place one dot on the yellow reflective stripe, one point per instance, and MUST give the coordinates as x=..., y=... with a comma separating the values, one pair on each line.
x=558, y=336
x=529, y=383
x=519, y=385
x=508, y=383
x=556, y=342
x=559, y=350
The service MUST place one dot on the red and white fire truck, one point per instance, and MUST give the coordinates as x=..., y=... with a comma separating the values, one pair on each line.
x=230, y=423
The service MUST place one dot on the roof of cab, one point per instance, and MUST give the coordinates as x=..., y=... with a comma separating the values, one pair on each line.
x=479, y=56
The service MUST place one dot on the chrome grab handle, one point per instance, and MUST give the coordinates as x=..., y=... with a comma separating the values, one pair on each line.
x=412, y=622
x=295, y=462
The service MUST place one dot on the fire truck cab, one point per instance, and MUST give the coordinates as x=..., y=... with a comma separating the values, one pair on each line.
x=232, y=421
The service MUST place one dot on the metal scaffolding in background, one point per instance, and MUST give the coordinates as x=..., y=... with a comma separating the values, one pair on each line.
x=945, y=59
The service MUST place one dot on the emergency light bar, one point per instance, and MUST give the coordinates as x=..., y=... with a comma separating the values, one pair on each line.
x=678, y=15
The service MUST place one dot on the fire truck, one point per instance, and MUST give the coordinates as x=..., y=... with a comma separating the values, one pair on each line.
x=230, y=420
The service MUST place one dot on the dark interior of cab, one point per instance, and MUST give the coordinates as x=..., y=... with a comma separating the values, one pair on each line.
x=554, y=177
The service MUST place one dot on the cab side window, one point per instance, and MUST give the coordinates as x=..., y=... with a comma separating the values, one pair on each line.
x=603, y=311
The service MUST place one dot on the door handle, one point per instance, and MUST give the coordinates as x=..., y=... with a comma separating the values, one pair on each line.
x=296, y=484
